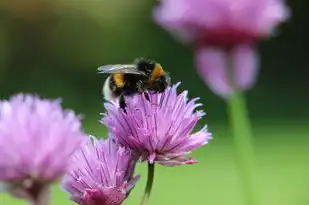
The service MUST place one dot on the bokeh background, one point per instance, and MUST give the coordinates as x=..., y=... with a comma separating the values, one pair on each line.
x=54, y=47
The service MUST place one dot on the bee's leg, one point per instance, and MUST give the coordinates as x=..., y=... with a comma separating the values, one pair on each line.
x=147, y=96
x=122, y=103
x=141, y=89
x=140, y=86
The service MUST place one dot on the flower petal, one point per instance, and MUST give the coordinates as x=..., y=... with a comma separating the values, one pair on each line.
x=246, y=66
x=181, y=160
x=212, y=66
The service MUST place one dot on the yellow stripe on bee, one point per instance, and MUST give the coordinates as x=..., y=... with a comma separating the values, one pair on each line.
x=118, y=78
x=157, y=72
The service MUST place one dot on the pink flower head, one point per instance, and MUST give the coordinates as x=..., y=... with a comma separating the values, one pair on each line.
x=220, y=29
x=37, y=138
x=160, y=129
x=102, y=173
x=225, y=23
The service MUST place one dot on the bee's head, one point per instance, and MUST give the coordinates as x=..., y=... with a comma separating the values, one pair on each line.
x=158, y=78
x=145, y=65
x=161, y=83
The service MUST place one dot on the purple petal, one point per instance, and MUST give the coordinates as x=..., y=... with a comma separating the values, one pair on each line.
x=246, y=66
x=178, y=161
x=212, y=66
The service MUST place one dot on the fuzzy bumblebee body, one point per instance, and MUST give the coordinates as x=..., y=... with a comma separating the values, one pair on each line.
x=129, y=79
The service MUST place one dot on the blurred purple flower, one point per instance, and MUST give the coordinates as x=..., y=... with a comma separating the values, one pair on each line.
x=160, y=129
x=37, y=138
x=224, y=33
x=102, y=175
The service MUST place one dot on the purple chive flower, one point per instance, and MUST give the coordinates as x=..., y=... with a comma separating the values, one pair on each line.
x=159, y=130
x=37, y=138
x=224, y=33
x=102, y=175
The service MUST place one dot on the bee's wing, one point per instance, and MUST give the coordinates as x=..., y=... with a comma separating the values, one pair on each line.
x=120, y=68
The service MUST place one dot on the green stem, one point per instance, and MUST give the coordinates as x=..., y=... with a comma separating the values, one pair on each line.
x=243, y=139
x=151, y=171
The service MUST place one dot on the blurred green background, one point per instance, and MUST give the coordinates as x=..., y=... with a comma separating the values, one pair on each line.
x=54, y=47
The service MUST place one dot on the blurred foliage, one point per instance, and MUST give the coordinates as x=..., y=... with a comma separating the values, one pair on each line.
x=54, y=47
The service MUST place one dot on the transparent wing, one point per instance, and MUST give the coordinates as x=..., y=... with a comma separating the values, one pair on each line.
x=120, y=68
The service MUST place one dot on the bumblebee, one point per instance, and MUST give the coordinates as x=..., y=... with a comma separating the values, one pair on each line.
x=129, y=79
